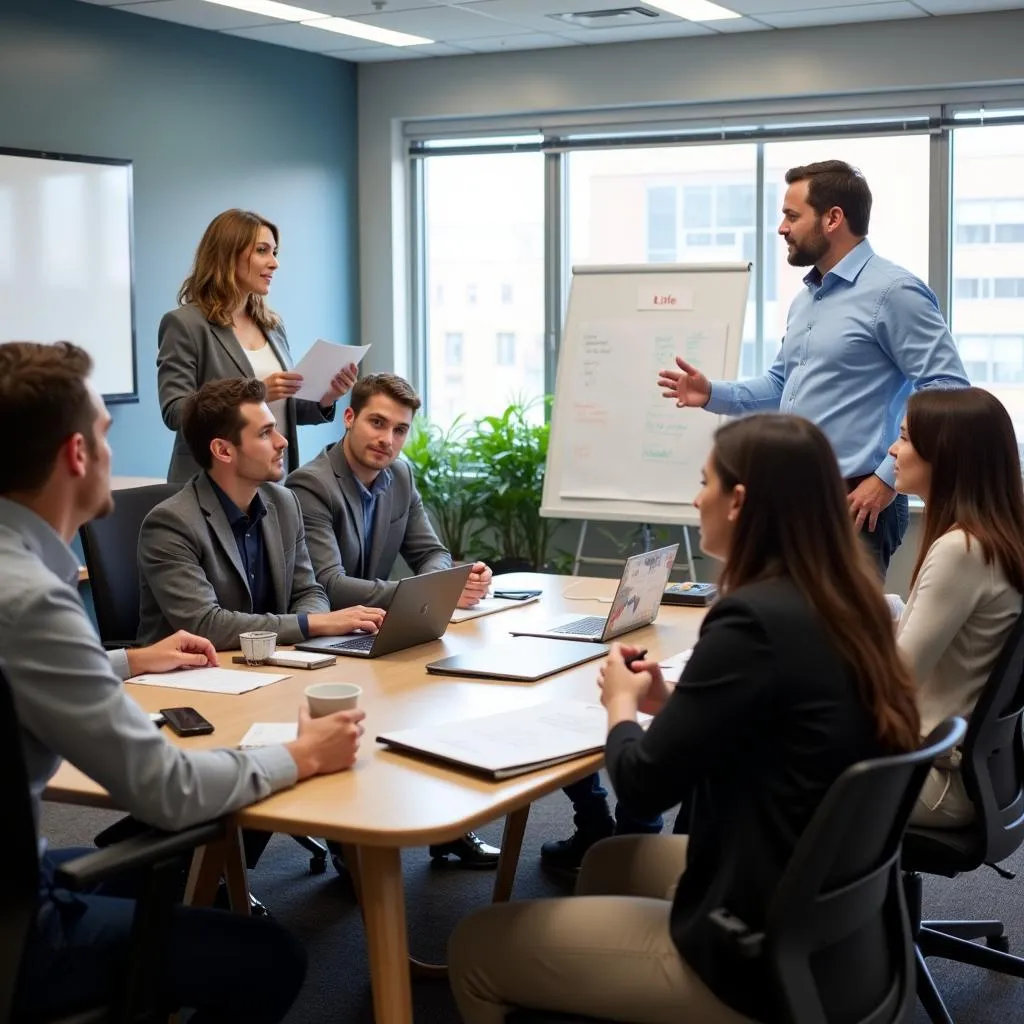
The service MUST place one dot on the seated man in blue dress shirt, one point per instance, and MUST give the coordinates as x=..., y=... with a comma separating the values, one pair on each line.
x=361, y=510
x=70, y=703
x=859, y=338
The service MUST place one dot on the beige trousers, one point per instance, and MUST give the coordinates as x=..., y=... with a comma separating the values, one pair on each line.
x=943, y=801
x=605, y=952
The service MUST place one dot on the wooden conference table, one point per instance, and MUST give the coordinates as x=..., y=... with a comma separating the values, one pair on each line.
x=389, y=801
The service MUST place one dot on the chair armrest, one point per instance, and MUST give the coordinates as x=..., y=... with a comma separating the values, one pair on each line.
x=138, y=852
x=747, y=943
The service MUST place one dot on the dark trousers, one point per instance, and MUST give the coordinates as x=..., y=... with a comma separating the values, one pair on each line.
x=590, y=806
x=889, y=531
x=225, y=966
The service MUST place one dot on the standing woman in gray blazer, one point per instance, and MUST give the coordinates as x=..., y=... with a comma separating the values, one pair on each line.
x=223, y=328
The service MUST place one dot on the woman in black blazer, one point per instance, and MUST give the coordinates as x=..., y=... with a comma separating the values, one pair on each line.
x=794, y=678
x=223, y=328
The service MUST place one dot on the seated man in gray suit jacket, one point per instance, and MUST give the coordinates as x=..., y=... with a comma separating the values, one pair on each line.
x=227, y=553
x=361, y=511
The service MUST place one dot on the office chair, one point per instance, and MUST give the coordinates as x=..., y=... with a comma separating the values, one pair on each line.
x=993, y=773
x=840, y=902
x=111, y=546
x=158, y=854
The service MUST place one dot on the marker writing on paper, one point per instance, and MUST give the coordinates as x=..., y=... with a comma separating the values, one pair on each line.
x=639, y=656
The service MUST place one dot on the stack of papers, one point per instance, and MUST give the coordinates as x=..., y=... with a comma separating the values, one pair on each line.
x=488, y=606
x=511, y=742
x=672, y=668
x=319, y=365
x=209, y=680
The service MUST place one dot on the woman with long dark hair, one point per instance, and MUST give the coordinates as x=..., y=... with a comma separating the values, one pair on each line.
x=223, y=327
x=794, y=678
x=957, y=451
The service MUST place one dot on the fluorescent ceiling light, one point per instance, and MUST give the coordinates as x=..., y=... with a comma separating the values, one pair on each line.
x=694, y=10
x=270, y=9
x=347, y=27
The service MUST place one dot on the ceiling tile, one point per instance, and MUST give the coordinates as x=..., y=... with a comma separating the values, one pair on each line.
x=843, y=15
x=379, y=54
x=968, y=6
x=670, y=30
x=531, y=41
x=536, y=14
x=729, y=25
x=756, y=8
x=196, y=13
x=359, y=8
x=447, y=23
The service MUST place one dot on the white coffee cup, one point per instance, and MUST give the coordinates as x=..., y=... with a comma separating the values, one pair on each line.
x=257, y=646
x=326, y=698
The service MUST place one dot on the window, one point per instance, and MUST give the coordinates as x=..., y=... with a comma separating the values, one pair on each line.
x=505, y=354
x=483, y=216
x=453, y=349
x=987, y=258
x=661, y=223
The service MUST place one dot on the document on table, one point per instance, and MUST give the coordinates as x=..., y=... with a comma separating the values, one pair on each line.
x=511, y=742
x=671, y=668
x=209, y=680
x=268, y=734
x=322, y=362
x=488, y=606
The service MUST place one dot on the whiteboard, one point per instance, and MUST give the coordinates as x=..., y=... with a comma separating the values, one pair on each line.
x=66, y=259
x=618, y=450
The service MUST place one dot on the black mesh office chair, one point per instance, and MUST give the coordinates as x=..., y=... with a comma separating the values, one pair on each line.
x=837, y=938
x=157, y=854
x=111, y=556
x=993, y=772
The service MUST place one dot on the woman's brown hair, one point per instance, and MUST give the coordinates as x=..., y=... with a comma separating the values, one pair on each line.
x=795, y=523
x=967, y=438
x=212, y=286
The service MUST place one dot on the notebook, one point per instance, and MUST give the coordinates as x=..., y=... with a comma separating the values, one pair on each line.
x=419, y=612
x=510, y=743
x=635, y=604
x=523, y=659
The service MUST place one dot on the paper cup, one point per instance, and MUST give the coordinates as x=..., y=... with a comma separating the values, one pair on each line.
x=257, y=646
x=326, y=698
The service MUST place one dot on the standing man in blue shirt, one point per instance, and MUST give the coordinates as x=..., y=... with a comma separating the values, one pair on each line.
x=862, y=335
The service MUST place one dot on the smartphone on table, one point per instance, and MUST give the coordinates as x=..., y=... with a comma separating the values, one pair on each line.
x=186, y=721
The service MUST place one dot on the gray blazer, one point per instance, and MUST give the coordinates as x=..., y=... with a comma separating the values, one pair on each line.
x=191, y=576
x=192, y=351
x=333, y=515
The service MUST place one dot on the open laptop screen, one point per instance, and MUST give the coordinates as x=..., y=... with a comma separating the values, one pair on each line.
x=639, y=594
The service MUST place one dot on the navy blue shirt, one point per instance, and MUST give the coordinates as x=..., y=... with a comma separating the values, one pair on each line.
x=249, y=538
x=368, y=496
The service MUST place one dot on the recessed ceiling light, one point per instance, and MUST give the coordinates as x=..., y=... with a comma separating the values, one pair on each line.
x=694, y=10
x=347, y=27
x=270, y=9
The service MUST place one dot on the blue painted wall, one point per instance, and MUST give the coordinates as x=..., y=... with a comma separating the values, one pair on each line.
x=211, y=121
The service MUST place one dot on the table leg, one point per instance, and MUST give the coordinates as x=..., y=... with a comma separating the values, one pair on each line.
x=236, y=878
x=204, y=875
x=511, y=844
x=383, y=903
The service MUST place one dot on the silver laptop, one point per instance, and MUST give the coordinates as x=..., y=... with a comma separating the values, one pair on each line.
x=418, y=613
x=635, y=604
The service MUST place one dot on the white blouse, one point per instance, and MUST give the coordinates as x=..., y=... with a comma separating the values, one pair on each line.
x=264, y=362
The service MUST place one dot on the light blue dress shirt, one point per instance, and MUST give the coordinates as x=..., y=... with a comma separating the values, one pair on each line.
x=858, y=341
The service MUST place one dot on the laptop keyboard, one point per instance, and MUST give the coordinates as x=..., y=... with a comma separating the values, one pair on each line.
x=357, y=643
x=591, y=625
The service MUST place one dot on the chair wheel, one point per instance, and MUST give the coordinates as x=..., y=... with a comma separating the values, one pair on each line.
x=318, y=864
x=1000, y=943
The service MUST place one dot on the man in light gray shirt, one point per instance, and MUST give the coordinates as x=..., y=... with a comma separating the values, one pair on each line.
x=70, y=703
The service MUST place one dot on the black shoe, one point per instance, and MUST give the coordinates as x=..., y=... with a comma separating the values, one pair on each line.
x=567, y=854
x=221, y=902
x=471, y=851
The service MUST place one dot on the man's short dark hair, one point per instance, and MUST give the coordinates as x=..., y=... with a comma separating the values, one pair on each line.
x=835, y=183
x=396, y=388
x=215, y=411
x=44, y=400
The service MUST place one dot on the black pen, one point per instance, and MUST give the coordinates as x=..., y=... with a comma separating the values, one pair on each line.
x=639, y=656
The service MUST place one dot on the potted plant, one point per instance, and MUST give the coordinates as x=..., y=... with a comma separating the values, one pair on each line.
x=452, y=496
x=507, y=455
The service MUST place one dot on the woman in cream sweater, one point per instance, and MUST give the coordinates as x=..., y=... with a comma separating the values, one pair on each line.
x=957, y=452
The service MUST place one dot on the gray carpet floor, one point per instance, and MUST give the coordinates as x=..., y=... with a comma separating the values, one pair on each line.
x=322, y=912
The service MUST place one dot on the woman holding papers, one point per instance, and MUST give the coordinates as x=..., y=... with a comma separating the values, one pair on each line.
x=957, y=451
x=223, y=328
x=795, y=677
